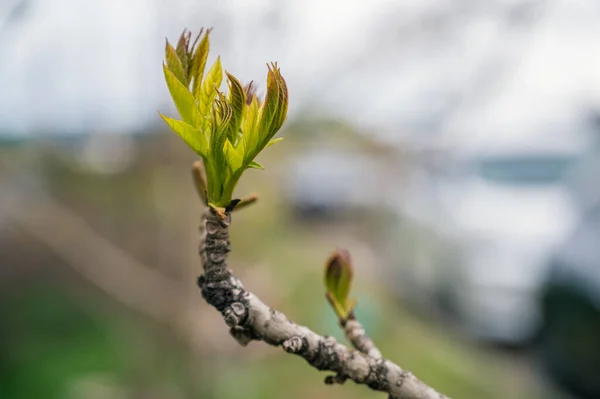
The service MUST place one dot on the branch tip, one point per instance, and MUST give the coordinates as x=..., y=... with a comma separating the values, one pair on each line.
x=246, y=201
x=200, y=183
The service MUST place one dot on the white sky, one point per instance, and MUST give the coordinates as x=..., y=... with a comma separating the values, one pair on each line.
x=395, y=66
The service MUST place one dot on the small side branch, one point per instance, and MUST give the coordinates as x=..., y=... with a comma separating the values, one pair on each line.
x=356, y=334
x=251, y=319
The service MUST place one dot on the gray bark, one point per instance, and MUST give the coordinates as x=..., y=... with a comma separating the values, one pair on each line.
x=250, y=319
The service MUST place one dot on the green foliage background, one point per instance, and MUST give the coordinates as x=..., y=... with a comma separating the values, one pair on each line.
x=62, y=336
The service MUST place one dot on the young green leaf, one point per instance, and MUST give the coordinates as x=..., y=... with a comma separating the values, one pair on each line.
x=174, y=64
x=199, y=63
x=270, y=106
x=250, y=91
x=282, y=100
x=233, y=157
x=182, y=50
x=273, y=142
x=221, y=116
x=237, y=99
x=210, y=85
x=249, y=129
x=223, y=113
x=227, y=131
x=191, y=135
x=255, y=165
x=338, y=278
x=183, y=99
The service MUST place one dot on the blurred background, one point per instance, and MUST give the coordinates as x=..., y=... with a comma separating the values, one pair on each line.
x=451, y=145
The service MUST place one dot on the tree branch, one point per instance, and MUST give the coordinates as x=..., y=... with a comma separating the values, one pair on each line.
x=250, y=319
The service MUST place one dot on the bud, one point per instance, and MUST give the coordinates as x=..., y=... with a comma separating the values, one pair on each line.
x=338, y=278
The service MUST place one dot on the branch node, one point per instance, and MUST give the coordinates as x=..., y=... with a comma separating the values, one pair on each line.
x=335, y=379
x=234, y=314
x=212, y=227
x=293, y=345
x=241, y=335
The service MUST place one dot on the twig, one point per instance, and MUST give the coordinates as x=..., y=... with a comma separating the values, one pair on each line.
x=199, y=178
x=246, y=201
x=339, y=272
x=250, y=319
x=356, y=334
